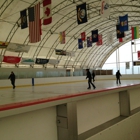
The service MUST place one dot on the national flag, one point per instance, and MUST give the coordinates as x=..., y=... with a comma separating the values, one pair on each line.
x=34, y=23
x=80, y=43
x=109, y=38
x=123, y=23
x=119, y=33
x=135, y=32
x=83, y=36
x=62, y=37
x=138, y=55
x=23, y=17
x=95, y=36
x=100, y=41
x=81, y=13
x=47, y=12
x=89, y=41
x=105, y=10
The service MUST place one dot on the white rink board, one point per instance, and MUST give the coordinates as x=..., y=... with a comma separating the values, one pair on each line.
x=34, y=125
x=128, y=129
x=96, y=111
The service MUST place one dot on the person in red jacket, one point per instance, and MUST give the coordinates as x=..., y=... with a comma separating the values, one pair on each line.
x=12, y=77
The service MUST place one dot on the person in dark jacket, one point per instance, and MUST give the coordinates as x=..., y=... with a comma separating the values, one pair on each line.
x=12, y=78
x=118, y=74
x=89, y=79
x=93, y=76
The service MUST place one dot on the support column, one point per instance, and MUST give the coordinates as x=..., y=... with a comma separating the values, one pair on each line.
x=67, y=121
x=124, y=103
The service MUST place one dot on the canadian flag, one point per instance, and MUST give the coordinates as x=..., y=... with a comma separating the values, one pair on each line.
x=47, y=12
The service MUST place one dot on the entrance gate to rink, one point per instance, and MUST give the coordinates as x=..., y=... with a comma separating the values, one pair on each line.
x=100, y=112
x=67, y=121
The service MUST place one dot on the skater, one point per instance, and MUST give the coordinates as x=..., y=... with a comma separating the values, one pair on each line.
x=118, y=74
x=89, y=79
x=12, y=78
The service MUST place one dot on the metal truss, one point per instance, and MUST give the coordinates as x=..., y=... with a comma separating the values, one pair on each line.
x=95, y=56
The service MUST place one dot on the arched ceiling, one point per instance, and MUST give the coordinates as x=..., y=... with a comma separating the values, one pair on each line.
x=64, y=18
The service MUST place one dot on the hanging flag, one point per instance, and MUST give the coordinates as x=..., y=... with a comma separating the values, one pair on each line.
x=27, y=61
x=62, y=37
x=47, y=19
x=81, y=13
x=53, y=61
x=123, y=23
x=105, y=10
x=14, y=47
x=109, y=38
x=11, y=59
x=3, y=45
x=80, y=43
x=138, y=55
x=95, y=36
x=23, y=17
x=34, y=23
x=60, y=52
x=89, y=41
x=135, y=32
x=83, y=36
x=119, y=33
x=100, y=41
x=41, y=61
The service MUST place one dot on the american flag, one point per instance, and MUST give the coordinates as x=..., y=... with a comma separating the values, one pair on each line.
x=34, y=23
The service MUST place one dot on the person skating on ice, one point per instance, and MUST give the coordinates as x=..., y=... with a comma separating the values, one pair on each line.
x=89, y=79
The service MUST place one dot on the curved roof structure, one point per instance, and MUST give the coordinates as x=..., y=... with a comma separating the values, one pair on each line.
x=64, y=18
